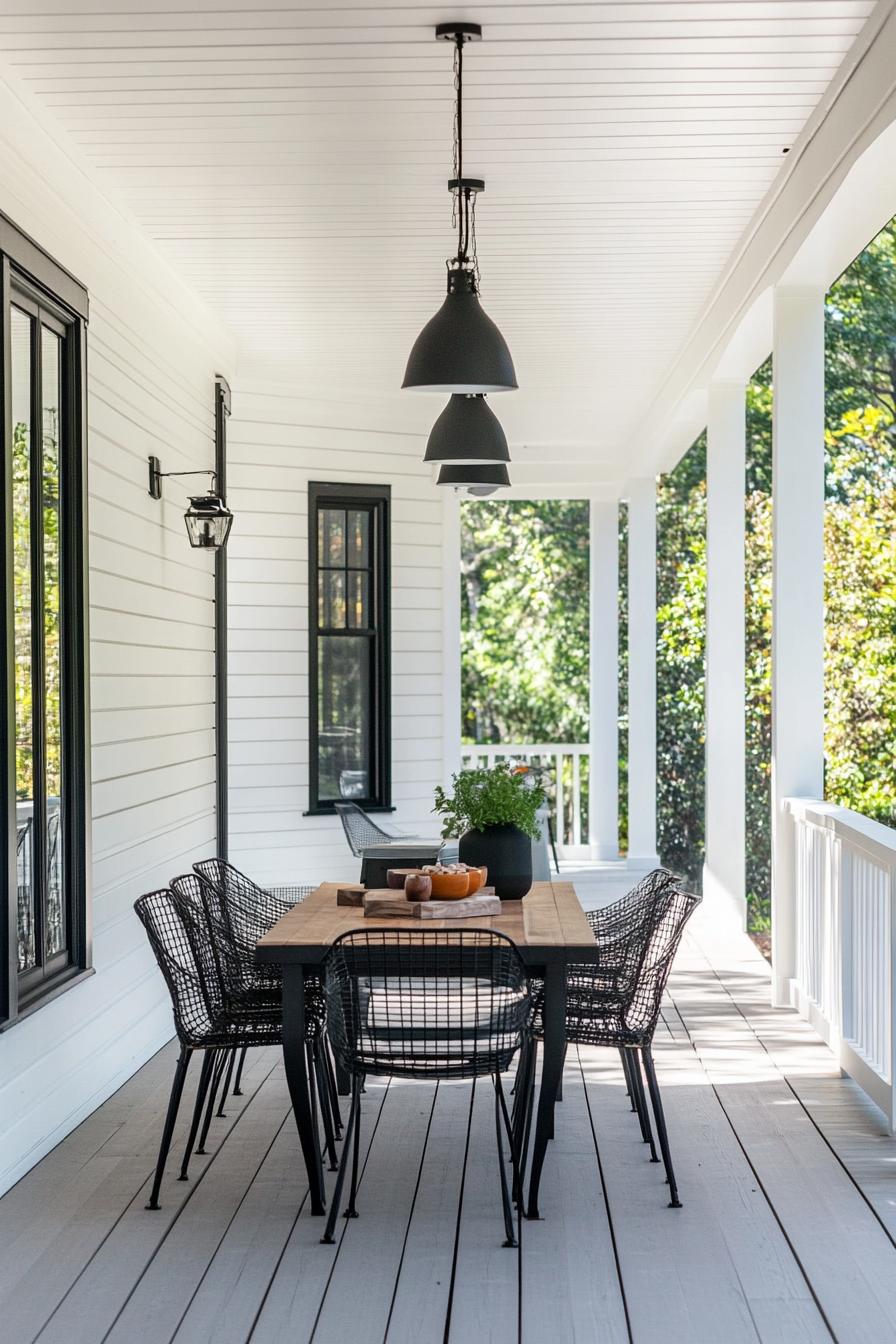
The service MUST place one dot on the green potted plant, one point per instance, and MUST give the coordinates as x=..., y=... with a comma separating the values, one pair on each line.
x=494, y=813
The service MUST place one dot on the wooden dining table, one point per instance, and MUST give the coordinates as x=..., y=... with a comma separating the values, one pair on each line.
x=548, y=927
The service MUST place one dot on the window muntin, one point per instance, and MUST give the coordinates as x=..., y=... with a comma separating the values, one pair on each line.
x=349, y=645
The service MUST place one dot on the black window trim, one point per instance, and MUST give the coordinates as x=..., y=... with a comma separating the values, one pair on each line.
x=338, y=494
x=28, y=273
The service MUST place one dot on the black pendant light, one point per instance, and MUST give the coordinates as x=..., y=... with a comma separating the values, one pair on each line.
x=467, y=431
x=460, y=350
x=478, y=479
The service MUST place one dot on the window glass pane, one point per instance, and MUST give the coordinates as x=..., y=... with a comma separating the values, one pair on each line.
x=331, y=537
x=343, y=717
x=358, y=537
x=20, y=325
x=358, y=615
x=57, y=934
x=331, y=599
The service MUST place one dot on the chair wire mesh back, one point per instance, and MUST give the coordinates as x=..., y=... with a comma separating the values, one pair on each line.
x=627, y=1011
x=242, y=912
x=185, y=960
x=360, y=831
x=425, y=1003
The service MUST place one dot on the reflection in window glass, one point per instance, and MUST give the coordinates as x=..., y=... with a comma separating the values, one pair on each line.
x=20, y=327
x=343, y=717
x=331, y=537
x=357, y=601
x=50, y=354
x=358, y=537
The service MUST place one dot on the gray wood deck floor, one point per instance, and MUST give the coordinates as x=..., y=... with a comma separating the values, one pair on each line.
x=787, y=1175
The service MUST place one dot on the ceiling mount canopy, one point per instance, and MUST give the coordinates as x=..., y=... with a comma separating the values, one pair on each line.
x=461, y=350
x=467, y=431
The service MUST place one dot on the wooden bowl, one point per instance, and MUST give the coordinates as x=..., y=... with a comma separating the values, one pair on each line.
x=475, y=880
x=449, y=886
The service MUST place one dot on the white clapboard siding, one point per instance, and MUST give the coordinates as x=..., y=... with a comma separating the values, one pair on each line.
x=278, y=441
x=153, y=352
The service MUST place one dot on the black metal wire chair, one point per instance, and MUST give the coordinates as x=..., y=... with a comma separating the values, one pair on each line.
x=237, y=913
x=618, y=1004
x=204, y=1019
x=416, y=1003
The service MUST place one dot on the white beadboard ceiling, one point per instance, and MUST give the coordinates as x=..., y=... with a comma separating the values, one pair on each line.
x=292, y=161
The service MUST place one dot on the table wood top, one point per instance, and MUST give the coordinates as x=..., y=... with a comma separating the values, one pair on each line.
x=548, y=926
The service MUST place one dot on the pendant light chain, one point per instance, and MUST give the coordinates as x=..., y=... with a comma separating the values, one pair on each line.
x=456, y=150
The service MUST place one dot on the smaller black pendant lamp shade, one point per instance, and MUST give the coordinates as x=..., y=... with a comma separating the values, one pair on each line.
x=467, y=431
x=460, y=349
x=479, y=479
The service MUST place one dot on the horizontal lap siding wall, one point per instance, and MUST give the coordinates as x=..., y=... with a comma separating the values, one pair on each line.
x=277, y=443
x=151, y=363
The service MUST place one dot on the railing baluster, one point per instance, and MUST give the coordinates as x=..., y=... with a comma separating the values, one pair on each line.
x=576, y=800
x=560, y=822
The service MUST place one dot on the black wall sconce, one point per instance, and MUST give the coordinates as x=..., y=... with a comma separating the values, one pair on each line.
x=208, y=518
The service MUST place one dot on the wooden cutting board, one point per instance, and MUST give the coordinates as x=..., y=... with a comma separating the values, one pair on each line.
x=385, y=902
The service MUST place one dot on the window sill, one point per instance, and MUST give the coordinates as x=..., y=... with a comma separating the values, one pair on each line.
x=52, y=990
x=331, y=810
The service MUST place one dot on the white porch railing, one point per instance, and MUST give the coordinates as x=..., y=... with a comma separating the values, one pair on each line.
x=845, y=931
x=566, y=777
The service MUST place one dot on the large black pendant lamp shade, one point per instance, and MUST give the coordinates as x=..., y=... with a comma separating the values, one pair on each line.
x=467, y=431
x=460, y=350
x=479, y=479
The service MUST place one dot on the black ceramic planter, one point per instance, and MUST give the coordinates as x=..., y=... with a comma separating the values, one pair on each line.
x=507, y=853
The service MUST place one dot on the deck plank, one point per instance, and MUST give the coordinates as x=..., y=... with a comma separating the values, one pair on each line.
x=164, y=1291
x=425, y=1274
x=486, y=1294
x=571, y=1289
x=300, y=1279
x=846, y=1254
x=57, y=1245
x=718, y=1268
x=370, y=1253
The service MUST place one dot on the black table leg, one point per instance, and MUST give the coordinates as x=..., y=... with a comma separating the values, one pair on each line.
x=551, y=1074
x=298, y=1081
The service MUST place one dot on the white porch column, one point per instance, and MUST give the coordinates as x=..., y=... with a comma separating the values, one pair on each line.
x=642, y=674
x=603, y=791
x=798, y=595
x=723, y=871
x=451, y=688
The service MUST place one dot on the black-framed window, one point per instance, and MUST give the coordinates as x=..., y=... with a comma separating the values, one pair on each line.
x=43, y=786
x=348, y=581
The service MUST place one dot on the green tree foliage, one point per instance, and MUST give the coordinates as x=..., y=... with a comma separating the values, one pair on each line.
x=528, y=590
x=681, y=652
x=524, y=620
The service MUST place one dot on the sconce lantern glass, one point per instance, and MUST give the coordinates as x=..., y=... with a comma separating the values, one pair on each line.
x=208, y=521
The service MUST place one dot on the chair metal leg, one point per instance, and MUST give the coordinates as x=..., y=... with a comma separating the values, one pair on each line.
x=323, y=1092
x=353, y=1119
x=641, y=1102
x=231, y=1063
x=177, y=1088
x=502, y=1118
x=523, y=1149
x=659, y=1116
x=351, y=1209
x=332, y=1086
x=237, y=1090
x=629, y=1082
x=220, y=1064
x=205, y=1077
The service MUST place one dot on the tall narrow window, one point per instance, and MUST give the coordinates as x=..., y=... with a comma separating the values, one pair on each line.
x=44, y=785
x=349, y=645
